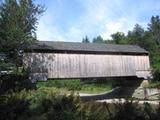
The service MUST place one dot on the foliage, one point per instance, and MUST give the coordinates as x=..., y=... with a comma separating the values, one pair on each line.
x=119, y=38
x=76, y=86
x=154, y=28
x=148, y=39
x=49, y=105
x=18, y=22
x=6, y=66
x=154, y=84
x=13, y=106
x=129, y=111
x=37, y=105
x=69, y=84
x=14, y=82
x=136, y=35
x=85, y=40
x=156, y=72
x=98, y=39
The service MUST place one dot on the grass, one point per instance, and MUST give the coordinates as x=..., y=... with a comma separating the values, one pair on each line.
x=76, y=85
x=154, y=84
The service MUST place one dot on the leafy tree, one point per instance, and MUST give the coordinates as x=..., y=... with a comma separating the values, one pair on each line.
x=119, y=38
x=85, y=40
x=150, y=40
x=108, y=41
x=154, y=28
x=99, y=39
x=136, y=36
x=18, y=23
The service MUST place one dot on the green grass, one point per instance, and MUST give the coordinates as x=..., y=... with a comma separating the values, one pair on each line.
x=76, y=86
x=154, y=84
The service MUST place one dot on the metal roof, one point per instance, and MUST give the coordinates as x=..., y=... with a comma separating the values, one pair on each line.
x=86, y=47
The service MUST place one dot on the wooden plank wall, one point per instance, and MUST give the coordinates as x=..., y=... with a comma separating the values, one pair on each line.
x=61, y=65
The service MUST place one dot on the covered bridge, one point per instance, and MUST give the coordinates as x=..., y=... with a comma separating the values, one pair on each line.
x=54, y=60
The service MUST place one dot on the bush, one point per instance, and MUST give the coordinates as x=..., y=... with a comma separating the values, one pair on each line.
x=14, y=106
x=6, y=66
x=156, y=74
x=76, y=85
x=40, y=104
x=128, y=111
x=69, y=84
x=44, y=104
x=15, y=82
x=156, y=67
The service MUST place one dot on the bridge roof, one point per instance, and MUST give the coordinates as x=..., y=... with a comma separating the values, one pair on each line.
x=74, y=47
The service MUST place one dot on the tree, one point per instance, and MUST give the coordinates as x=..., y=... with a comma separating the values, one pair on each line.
x=18, y=23
x=85, y=40
x=99, y=39
x=154, y=28
x=150, y=40
x=136, y=36
x=119, y=38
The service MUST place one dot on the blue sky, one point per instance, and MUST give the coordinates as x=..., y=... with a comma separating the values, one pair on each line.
x=71, y=20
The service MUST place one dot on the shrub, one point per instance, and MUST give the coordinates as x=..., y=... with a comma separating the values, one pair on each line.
x=44, y=104
x=14, y=106
x=15, y=82
x=128, y=111
x=68, y=84
x=156, y=74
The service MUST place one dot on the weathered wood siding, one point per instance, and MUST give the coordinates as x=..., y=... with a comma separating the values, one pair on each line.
x=61, y=65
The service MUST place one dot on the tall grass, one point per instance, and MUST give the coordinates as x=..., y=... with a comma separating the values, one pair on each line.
x=76, y=85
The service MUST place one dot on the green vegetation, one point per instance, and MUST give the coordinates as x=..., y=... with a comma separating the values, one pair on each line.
x=44, y=104
x=85, y=40
x=76, y=86
x=15, y=82
x=154, y=84
x=18, y=23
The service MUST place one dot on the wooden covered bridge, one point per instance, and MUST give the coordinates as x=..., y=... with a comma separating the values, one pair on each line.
x=57, y=60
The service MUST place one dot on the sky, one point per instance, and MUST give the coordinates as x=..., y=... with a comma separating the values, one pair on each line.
x=72, y=20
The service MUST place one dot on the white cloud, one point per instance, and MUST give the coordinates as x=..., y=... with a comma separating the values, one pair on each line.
x=120, y=25
x=48, y=33
x=99, y=17
x=73, y=34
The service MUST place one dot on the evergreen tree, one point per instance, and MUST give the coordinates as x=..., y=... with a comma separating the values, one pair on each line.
x=154, y=29
x=99, y=39
x=136, y=36
x=85, y=40
x=18, y=23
